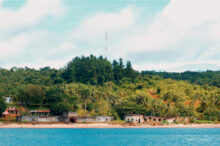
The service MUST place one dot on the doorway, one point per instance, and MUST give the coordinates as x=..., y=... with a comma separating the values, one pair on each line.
x=73, y=120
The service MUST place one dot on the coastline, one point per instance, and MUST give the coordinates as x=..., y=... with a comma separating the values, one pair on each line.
x=103, y=125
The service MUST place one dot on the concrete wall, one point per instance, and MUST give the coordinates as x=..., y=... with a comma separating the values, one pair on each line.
x=63, y=119
x=69, y=114
x=39, y=119
x=86, y=119
x=95, y=119
x=154, y=119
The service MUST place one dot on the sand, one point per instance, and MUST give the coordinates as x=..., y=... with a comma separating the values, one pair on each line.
x=105, y=125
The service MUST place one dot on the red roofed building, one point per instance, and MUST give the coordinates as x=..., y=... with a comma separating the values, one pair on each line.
x=11, y=112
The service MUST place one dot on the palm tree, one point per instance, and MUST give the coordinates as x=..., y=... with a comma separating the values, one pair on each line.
x=85, y=93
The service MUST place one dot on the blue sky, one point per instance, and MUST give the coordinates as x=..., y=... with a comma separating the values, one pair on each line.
x=162, y=35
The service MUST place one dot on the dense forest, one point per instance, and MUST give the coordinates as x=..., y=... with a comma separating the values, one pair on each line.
x=95, y=86
x=211, y=78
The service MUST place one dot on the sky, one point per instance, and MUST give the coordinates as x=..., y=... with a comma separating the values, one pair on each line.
x=160, y=35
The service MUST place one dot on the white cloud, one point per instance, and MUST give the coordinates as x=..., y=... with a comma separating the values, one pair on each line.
x=37, y=49
x=10, y=48
x=29, y=14
x=187, y=30
x=180, y=66
x=95, y=27
x=20, y=44
x=41, y=63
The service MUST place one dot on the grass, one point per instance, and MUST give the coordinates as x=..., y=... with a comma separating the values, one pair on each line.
x=203, y=122
x=165, y=122
x=118, y=122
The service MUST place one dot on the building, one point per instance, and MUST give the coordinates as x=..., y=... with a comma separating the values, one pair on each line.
x=39, y=116
x=133, y=118
x=184, y=119
x=154, y=119
x=171, y=119
x=11, y=112
x=104, y=119
x=40, y=113
x=8, y=99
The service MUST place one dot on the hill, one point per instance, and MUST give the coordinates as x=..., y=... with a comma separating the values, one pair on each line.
x=95, y=86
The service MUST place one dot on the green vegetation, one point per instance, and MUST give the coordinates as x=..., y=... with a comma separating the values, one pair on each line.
x=2, y=105
x=165, y=122
x=95, y=86
x=202, y=121
x=211, y=78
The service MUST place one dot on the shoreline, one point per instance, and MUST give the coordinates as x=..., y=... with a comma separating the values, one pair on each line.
x=102, y=125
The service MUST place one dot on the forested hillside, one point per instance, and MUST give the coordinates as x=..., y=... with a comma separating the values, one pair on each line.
x=95, y=86
x=211, y=78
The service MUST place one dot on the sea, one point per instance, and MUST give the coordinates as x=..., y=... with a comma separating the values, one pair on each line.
x=111, y=137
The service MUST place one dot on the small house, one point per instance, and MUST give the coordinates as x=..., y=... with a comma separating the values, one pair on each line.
x=8, y=99
x=170, y=119
x=133, y=118
x=11, y=112
x=104, y=119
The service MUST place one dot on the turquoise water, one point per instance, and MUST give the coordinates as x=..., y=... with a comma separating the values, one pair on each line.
x=111, y=137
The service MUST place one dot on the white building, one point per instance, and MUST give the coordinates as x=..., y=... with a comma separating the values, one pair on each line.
x=133, y=118
x=8, y=99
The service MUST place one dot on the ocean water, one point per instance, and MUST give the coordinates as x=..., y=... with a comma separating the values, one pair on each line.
x=110, y=137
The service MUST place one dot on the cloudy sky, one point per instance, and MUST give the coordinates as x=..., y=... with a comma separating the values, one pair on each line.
x=170, y=35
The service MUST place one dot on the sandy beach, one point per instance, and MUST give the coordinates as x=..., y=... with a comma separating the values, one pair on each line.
x=105, y=125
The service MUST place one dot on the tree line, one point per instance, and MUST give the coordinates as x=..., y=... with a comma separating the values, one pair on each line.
x=211, y=78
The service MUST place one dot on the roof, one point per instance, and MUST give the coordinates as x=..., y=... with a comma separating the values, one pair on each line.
x=5, y=113
x=12, y=109
x=133, y=115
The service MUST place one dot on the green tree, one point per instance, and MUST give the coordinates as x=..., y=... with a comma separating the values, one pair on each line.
x=57, y=109
x=2, y=105
x=31, y=95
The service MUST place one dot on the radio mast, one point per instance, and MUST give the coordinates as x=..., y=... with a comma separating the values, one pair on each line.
x=106, y=41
